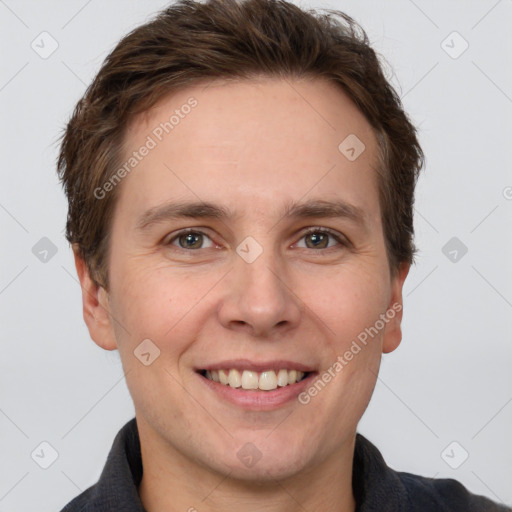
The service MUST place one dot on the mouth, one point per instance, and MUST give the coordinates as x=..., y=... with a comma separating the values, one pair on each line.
x=257, y=386
x=267, y=380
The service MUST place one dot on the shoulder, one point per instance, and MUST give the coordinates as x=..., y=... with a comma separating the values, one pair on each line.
x=445, y=494
x=116, y=488
x=80, y=503
x=378, y=488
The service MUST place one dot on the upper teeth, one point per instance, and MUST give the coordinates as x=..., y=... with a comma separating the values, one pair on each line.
x=266, y=381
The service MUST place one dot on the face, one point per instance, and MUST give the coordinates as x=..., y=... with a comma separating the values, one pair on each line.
x=249, y=248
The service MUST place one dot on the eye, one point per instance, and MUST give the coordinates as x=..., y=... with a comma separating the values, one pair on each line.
x=191, y=239
x=321, y=238
x=315, y=238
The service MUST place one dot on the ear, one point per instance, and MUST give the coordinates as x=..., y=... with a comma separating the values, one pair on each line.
x=96, y=308
x=393, y=332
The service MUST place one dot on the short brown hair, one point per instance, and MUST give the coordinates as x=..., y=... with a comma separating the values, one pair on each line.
x=189, y=42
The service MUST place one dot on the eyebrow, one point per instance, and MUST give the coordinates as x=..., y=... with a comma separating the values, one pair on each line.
x=205, y=210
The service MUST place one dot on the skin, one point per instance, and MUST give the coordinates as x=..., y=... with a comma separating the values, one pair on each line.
x=253, y=147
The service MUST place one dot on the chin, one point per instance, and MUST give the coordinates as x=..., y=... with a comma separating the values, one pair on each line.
x=272, y=470
x=267, y=460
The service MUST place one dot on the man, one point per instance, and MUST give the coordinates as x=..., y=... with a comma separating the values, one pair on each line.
x=240, y=178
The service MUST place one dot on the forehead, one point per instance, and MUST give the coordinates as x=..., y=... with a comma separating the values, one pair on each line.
x=267, y=138
x=236, y=106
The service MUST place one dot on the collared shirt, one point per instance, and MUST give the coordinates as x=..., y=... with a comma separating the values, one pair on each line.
x=377, y=488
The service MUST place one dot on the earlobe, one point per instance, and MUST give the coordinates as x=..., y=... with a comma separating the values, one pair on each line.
x=95, y=306
x=393, y=333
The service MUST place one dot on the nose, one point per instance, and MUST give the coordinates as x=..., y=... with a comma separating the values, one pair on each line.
x=258, y=300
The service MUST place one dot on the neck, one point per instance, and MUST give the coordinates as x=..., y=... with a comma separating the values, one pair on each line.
x=171, y=482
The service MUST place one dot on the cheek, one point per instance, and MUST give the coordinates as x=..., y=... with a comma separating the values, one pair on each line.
x=152, y=302
x=348, y=302
x=149, y=304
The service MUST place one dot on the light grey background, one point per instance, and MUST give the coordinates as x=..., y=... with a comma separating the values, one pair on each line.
x=451, y=378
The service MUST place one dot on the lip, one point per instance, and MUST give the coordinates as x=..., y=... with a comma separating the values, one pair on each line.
x=257, y=400
x=257, y=366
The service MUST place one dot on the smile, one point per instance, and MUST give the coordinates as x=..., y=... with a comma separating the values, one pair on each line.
x=256, y=385
x=268, y=380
